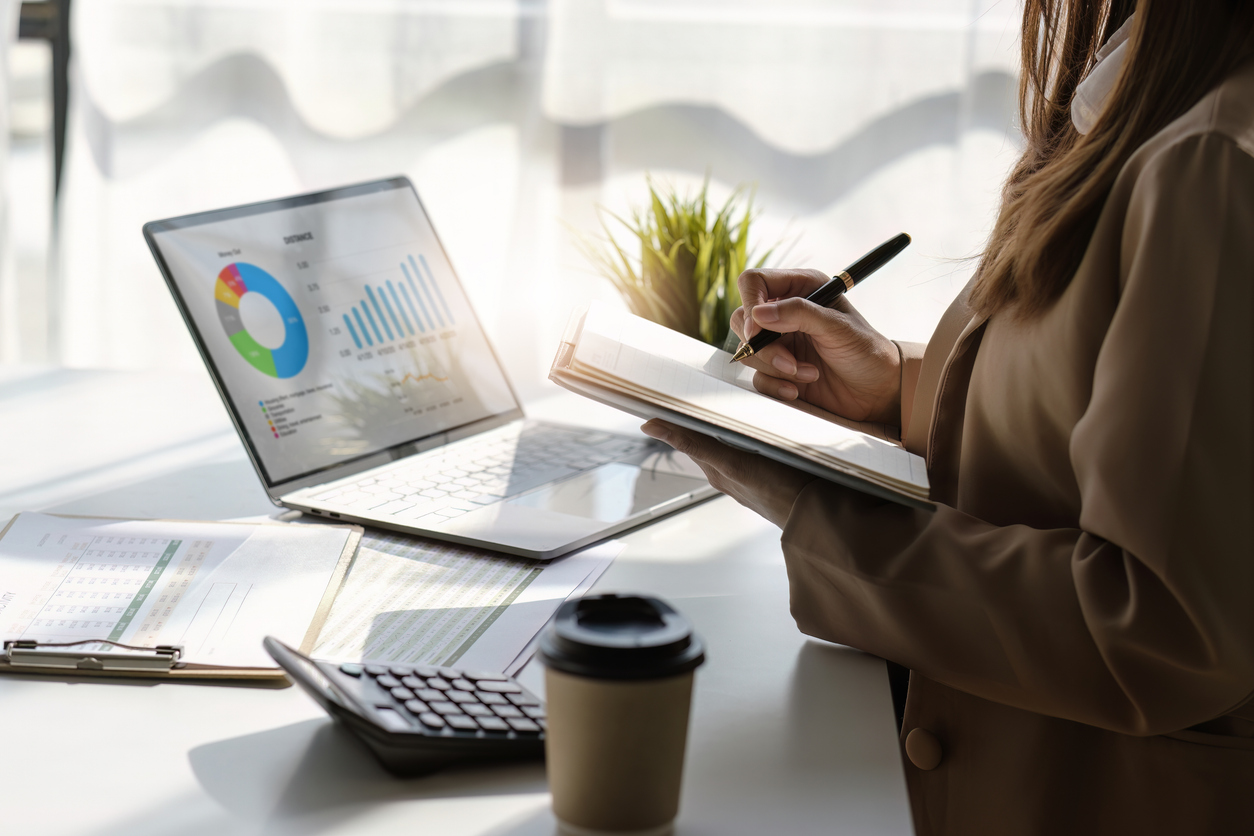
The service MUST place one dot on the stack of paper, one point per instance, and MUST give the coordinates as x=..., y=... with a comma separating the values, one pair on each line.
x=652, y=371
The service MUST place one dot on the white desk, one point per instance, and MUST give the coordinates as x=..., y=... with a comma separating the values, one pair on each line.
x=788, y=735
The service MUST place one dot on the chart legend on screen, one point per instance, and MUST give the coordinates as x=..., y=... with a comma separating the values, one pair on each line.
x=266, y=413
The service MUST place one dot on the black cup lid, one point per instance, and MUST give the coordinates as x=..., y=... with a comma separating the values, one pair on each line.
x=620, y=637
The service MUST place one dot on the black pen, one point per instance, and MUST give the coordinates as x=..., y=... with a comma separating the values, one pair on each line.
x=827, y=295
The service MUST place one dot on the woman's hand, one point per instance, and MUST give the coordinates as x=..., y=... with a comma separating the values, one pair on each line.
x=756, y=482
x=829, y=357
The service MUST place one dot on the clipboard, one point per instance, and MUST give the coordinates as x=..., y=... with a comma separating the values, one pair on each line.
x=106, y=656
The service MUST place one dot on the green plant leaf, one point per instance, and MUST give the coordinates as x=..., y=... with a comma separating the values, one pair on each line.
x=688, y=264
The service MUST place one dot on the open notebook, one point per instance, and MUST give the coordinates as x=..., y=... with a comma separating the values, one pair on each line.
x=649, y=370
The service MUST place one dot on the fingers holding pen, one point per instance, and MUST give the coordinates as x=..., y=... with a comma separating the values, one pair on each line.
x=760, y=285
x=775, y=359
x=779, y=374
x=796, y=315
x=738, y=322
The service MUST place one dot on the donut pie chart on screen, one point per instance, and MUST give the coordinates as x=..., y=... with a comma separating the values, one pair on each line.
x=240, y=278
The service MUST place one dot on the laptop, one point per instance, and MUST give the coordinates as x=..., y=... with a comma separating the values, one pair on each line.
x=365, y=389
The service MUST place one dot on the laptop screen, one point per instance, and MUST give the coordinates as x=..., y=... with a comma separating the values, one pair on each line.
x=333, y=322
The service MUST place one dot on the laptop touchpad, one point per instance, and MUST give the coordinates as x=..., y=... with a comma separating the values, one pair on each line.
x=609, y=493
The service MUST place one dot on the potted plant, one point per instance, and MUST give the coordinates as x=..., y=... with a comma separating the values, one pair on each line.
x=690, y=258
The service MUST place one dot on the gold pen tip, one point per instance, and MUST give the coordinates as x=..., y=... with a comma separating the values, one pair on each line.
x=744, y=351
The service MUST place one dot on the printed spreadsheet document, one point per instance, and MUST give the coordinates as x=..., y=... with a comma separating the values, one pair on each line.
x=424, y=602
x=215, y=589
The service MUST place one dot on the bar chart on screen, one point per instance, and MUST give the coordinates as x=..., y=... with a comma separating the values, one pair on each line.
x=395, y=336
x=412, y=305
x=394, y=320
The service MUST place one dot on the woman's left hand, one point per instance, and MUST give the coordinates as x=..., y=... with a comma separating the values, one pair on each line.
x=756, y=482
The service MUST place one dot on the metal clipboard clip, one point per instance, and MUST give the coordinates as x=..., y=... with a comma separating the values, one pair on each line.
x=29, y=653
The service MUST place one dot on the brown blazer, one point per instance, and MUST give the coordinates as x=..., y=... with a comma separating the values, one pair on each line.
x=1078, y=615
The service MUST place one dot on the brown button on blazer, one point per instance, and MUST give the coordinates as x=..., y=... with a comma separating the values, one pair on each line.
x=1078, y=615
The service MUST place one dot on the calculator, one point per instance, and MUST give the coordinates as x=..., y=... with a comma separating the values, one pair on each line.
x=417, y=719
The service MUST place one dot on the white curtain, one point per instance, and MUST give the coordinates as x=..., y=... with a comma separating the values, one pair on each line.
x=10, y=313
x=856, y=119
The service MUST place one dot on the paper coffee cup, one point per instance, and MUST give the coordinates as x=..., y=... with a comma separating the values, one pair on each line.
x=618, y=688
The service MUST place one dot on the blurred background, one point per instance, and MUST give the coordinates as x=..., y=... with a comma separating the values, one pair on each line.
x=515, y=119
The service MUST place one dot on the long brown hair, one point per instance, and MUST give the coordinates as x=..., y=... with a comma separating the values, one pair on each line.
x=1177, y=51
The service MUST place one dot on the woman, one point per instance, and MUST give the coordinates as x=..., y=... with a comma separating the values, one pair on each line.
x=1078, y=613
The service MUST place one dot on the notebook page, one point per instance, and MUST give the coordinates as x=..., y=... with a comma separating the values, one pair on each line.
x=653, y=358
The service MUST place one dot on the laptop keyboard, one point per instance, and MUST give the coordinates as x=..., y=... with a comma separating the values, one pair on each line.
x=438, y=486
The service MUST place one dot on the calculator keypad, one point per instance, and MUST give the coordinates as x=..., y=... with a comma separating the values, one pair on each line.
x=444, y=699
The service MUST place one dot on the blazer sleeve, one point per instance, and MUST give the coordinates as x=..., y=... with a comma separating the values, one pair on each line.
x=911, y=356
x=1141, y=619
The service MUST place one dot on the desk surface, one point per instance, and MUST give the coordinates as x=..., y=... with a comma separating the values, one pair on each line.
x=788, y=735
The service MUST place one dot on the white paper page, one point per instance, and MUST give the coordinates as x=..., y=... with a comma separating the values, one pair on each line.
x=272, y=586
x=605, y=556
x=660, y=360
x=501, y=645
x=215, y=589
x=422, y=602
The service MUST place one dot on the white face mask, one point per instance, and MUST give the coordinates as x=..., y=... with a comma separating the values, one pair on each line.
x=1092, y=93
